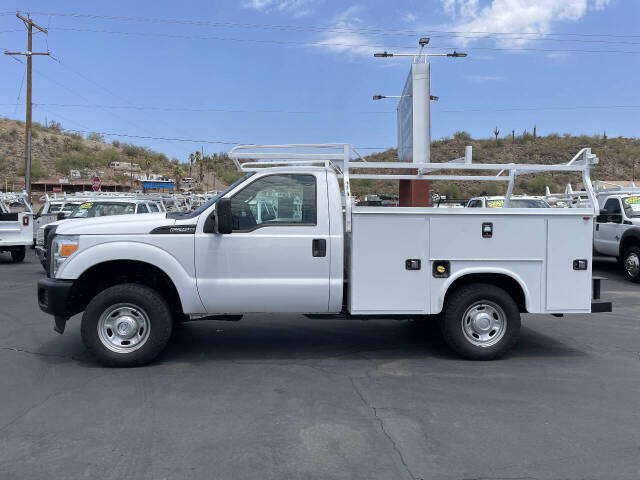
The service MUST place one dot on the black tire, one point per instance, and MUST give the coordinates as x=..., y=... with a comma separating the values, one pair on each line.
x=629, y=264
x=142, y=298
x=18, y=254
x=461, y=303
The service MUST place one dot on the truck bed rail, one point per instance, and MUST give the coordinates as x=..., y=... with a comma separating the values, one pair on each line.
x=348, y=164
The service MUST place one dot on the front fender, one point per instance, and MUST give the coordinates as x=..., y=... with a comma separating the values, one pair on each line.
x=480, y=270
x=185, y=284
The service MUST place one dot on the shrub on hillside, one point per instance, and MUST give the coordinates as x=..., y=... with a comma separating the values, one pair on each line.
x=95, y=137
x=462, y=135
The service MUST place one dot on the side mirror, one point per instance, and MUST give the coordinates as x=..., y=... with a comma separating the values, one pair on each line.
x=220, y=221
x=224, y=218
x=615, y=218
x=602, y=218
x=61, y=216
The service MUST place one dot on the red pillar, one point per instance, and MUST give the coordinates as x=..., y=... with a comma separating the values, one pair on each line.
x=415, y=193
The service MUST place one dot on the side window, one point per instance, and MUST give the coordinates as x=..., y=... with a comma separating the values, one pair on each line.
x=153, y=208
x=142, y=208
x=475, y=204
x=275, y=200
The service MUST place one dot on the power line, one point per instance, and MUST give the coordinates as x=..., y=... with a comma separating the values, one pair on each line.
x=369, y=30
x=338, y=44
x=436, y=35
x=330, y=112
x=19, y=92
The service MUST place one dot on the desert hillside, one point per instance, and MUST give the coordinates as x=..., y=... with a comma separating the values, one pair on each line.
x=57, y=151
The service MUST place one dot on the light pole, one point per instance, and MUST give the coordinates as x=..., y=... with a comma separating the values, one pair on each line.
x=414, y=120
x=424, y=76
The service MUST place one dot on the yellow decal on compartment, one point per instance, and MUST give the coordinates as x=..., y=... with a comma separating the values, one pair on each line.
x=495, y=203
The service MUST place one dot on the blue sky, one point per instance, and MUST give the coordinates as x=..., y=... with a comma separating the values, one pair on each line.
x=294, y=71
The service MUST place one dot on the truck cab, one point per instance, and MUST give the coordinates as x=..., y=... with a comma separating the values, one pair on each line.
x=617, y=231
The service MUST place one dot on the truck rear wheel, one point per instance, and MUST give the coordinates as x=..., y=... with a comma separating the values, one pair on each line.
x=480, y=321
x=631, y=264
x=126, y=325
x=18, y=254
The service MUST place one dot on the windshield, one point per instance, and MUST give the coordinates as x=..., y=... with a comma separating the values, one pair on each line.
x=519, y=203
x=102, y=209
x=632, y=206
x=211, y=201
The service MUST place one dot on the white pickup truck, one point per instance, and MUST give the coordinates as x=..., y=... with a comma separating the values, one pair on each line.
x=16, y=225
x=617, y=230
x=284, y=238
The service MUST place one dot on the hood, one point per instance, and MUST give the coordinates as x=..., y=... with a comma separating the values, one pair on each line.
x=133, y=224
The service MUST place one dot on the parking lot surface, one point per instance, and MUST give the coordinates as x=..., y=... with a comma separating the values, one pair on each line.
x=288, y=397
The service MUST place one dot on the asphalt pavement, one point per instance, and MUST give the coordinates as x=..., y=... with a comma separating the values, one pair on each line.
x=286, y=397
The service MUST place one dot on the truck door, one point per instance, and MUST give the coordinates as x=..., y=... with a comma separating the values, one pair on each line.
x=277, y=259
x=609, y=228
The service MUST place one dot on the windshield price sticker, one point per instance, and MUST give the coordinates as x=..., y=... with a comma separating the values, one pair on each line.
x=495, y=203
x=86, y=205
x=632, y=201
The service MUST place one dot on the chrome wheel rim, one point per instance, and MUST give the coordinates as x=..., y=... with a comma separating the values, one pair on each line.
x=632, y=265
x=123, y=328
x=484, y=323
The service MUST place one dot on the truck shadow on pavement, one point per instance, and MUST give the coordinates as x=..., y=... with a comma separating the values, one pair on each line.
x=287, y=338
x=392, y=340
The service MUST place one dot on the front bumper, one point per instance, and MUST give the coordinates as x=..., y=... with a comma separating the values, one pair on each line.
x=53, y=296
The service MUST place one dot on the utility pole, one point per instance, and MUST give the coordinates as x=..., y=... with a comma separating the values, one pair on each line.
x=29, y=54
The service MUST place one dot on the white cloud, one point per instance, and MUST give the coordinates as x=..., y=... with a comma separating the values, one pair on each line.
x=484, y=78
x=345, y=35
x=409, y=17
x=515, y=16
x=297, y=8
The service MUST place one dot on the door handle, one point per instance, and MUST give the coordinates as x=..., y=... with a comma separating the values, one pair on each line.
x=319, y=247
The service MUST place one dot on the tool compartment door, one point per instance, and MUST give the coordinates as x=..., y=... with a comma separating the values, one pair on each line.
x=569, y=238
x=379, y=279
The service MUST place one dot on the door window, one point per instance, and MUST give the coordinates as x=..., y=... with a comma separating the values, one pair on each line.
x=475, y=204
x=142, y=208
x=275, y=200
x=154, y=208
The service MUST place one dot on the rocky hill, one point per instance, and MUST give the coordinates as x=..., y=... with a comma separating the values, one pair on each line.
x=617, y=158
x=55, y=152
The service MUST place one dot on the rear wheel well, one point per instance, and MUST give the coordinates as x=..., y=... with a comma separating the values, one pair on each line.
x=107, y=274
x=505, y=282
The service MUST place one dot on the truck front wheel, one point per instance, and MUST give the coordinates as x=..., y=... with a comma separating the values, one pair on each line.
x=480, y=321
x=126, y=325
x=631, y=264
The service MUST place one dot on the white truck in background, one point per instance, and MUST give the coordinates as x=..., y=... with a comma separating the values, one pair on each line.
x=516, y=201
x=16, y=225
x=284, y=238
x=617, y=225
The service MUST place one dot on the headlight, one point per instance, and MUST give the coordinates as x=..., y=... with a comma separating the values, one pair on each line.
x=62, y=247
